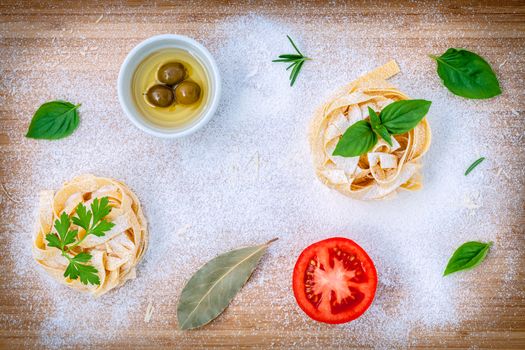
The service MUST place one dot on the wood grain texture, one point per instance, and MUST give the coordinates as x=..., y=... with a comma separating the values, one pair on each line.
x=27, y=29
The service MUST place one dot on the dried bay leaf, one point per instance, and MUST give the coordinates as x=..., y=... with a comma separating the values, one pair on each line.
x=211, y=289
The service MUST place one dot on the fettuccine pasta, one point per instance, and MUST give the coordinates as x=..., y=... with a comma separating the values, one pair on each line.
x=115, y=254
x=385, y=169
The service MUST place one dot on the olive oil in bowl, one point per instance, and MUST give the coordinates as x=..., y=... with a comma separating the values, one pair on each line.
x=175, y=115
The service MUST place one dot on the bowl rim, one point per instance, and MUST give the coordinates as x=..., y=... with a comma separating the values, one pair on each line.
x=202, y=53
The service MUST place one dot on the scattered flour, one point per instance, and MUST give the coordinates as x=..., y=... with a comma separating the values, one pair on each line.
x=247, y=178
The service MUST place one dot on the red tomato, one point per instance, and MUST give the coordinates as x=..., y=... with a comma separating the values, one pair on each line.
x=334, y=280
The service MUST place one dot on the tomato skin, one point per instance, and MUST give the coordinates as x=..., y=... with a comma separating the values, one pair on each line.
x=299, y=288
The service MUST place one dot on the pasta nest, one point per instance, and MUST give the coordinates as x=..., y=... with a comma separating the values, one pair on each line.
x=116, y=254
x=385, y=169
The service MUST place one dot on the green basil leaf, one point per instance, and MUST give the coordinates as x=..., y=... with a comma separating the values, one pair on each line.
x=374, y=118
x=377, y=127
x=402, y=116
x=467, y=74
x=385, y=135
x=54, y=120
x=467, y=256
x=357, y=139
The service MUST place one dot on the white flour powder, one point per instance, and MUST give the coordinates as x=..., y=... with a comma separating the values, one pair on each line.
x=247, y=178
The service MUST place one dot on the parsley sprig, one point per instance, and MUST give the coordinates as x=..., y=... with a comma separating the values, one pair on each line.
x=65, y=239
x=296, y=60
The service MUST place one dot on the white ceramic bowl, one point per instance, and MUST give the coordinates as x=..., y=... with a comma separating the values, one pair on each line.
x=146, y=48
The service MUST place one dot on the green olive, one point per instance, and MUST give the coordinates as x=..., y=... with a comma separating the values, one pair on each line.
x=160, y=95
x=171, y=73
x=187, y=92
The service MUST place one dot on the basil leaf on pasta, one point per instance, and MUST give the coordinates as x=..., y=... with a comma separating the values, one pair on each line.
x=402, y=116
x=378, y=128
x=357, y=139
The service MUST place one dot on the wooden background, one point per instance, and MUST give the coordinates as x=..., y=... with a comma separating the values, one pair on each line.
x=499, y=321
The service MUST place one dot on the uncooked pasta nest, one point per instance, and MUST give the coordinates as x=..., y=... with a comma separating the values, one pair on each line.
x=384, y=170
x=116, y=254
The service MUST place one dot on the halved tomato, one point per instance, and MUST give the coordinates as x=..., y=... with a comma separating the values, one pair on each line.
x=334, y=280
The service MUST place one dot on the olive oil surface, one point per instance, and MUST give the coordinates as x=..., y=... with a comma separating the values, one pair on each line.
x=177, y=115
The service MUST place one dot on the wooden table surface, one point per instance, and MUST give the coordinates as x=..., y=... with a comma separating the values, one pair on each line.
x=499, y=321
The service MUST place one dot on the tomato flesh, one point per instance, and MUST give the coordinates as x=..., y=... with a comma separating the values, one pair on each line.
x=334, y=280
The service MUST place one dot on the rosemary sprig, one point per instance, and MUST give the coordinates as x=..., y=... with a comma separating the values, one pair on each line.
x=473, y=165
x=296, y=60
